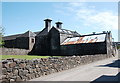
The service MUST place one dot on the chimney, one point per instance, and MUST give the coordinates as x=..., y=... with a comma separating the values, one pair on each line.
x=48, y=24
x=59, y=25
x=104, y=31
x=94, y=33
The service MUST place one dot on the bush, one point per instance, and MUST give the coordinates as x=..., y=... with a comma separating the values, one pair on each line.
x=1, y=35
x=118, y=47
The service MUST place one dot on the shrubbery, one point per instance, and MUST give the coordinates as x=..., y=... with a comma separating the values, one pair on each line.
x=1, y=35
x=118, y=47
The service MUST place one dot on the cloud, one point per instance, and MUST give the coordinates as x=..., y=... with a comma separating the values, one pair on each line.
x=104, y=20
x=76, y=4
x=62, y=12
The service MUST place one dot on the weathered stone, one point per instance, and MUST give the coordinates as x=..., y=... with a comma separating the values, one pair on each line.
x=39, y=74
x=15, y=72
x=4, y=71
x=12, y=80
x=4, y=61
x=29, y=62
x=12, y=64
x=30, y=70
x=25, y=72
x=20, y=72
x=22, y=65
x=5, y=65
x=36, y=75
x=3, y=76
x=14, y=77
x=22, y=61
x=40, y=65
x=5, y=81
x=9, y=75
x=27, y=67
x=10, y=59
x=33, y=66
x=38, y=69
x=15, y=60
x=33, y=75
x=47, y=72
x=36, y=66
x=46, y=67
x=34, y=71
x=28, y=76
x=16, y=67
x=24, y=78
x=18, y=78
x=35, y=61
x=14, y=51
x=9, y=70
x=44, y=59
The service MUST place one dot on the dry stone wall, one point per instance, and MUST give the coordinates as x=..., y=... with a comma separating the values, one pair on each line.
x=23, y=70
x=13, y=51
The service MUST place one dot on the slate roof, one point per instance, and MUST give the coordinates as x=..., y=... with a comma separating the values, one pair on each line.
x=117, y=43
x=11, y=37
x=26, y=34
x=65, y=31
x=85, y=39
x=37, y=32
x=43, y=32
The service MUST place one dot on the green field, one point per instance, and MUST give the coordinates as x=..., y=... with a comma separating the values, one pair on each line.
x=28, y=57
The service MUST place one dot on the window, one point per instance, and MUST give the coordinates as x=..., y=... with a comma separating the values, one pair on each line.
x=32, y=41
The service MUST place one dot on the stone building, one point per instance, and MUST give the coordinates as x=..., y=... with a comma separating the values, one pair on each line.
x=22, y=41
x=99, y=43
x=50, y=38
x=58, y=41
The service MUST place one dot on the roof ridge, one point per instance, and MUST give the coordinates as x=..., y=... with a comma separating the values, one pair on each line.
x=68, y=30
x=12, y=35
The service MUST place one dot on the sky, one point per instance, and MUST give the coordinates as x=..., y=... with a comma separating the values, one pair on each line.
x=83, y=17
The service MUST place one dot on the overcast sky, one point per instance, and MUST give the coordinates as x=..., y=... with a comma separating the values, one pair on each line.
x=83, y=17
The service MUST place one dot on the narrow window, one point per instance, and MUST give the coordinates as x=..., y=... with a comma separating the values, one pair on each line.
x=32, y=40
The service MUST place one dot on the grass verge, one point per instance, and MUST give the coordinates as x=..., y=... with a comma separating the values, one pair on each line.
x=28, y=57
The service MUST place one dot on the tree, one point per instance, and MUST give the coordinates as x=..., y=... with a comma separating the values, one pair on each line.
x=1, y=35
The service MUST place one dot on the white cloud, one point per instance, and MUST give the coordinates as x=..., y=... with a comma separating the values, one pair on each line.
x=76, y=4
x=105, y=20
x=62, y=12
x=84, y=13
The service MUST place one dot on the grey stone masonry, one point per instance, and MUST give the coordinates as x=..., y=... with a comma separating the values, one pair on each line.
x=13, y=51
x=23, y=70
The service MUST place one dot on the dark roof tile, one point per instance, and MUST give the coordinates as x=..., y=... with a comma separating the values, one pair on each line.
x=11, y=37
x=65, y=31
x=26, y=34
